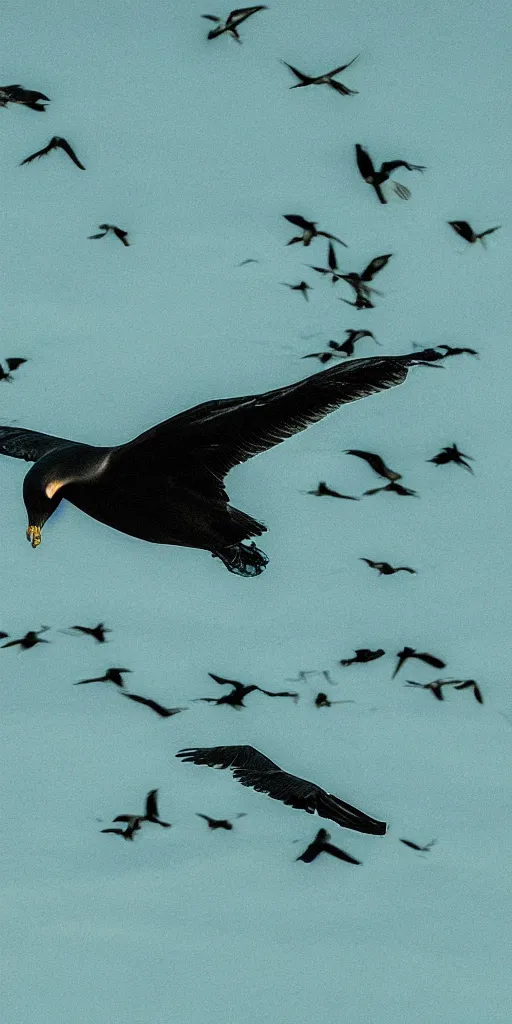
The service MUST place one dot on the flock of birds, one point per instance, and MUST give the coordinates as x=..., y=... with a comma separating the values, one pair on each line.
x=167, y=486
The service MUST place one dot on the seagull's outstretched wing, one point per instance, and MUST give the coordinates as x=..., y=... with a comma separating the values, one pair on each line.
x=392, y=165
x=373, y=268
x=64, y=145
x=220, y=435
x=463, y=228
x=236, y=17
x=40, y=152
x=29, y=444
x=297, y=220
x=258, y=772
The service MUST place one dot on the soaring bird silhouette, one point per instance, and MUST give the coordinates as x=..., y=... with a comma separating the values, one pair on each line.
x=112, y=675
x=396, y=488
x=238, y=691
x=126, y=833
x=55, y=143
x=359, y=282
x=12, y=364
x=415, y=846
x=466, y=231
x=324, y=491
x=377, y=464
x=452, y=454
x=303, y=287
x=435, y=687
x=258, y=772
x=309, y=230
x=158, y=708
x=385, y=569
x=409, y=652
x=332, y=266
x=450, y=351
x=26, y=97
x=323, y=357
x=321, y=844
x=327, y=79
x=150, y=813
x=322, y=701
x=118, y=232
x=376, y=178
x=29, y=640
x=471, y=684
x=233, y=20
x=352, y=337
x=219, y=822
x=98, y=632
x=166, y=486
x=363, y=655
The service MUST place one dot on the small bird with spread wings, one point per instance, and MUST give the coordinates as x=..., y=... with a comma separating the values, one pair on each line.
x=12, y=364
x=309, y=230
x=55, y=143
x=118, y=232
x=466, y=231
x=359, y=282
x=376, y=178
x=239, y=690
x=25, y=97
x=233, y=20
x=326, y=79
x=409, y=652
x=452, y=454
x=321, y=844
x=385, y=568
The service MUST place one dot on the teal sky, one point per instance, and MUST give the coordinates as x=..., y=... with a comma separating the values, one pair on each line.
x=198, y=148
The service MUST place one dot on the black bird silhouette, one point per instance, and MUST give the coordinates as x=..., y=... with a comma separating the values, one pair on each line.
x=26, y=97
x=332, y=266
x=245, y=262
x=466, y=684
x=112, y=675
x=363, y=654
x=406, y=492
x=321, y=844
x=327, y=79
x=29, y=640
x=377, y=464
x=352, y=337
x=98, y=632
x=219, y=822
x=118, y=232
x=324, y=491
x=421, y=849
x=12, y=364
x=258, y=772
x=55, y=143
x=309, y=230
x=166, y=486
x=359, y=282
x=150, y=814
x=126, y=833
x=409, y=652
x=377, y=178
x=385, y=569
x=466, y=231
x=452, y=454
x=303, y=287
x=233, y=20
x=435, y=687
x=323, y=357
x=322, y=701
x=160, y=710
x=239, y=691
x=450, y=351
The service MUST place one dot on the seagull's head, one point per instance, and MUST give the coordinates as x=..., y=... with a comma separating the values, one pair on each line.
x=45, y=483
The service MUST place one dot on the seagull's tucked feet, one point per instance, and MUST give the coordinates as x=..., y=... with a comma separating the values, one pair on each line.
x=242, y=559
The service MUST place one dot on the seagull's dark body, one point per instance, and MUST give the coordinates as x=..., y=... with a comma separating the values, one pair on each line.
x=150, y=814
x=215, y=823
x=466, y=231
x=258, y=772
x=25, y=97
x=154, y=705
x=309, y=230
x=112, y=675
x=376, y=462
x=376, y=178
x=114, y=230
x=166, y=486
x=239, y=691
x=12, y=364
x=29, y=640
x=409, y=652
x=363, y=655
x=326, y=79
x=98, y=632
x=233, y=20
x=385, y=569
x=321, y=844
x=451, y=454
x=55, y=143
x=322, y=701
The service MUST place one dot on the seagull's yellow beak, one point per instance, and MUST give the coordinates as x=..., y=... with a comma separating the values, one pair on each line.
x=34, y=535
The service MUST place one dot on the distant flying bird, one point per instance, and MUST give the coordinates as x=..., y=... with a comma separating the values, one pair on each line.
x=25, y=97
x=126, y=833
x=409, y=652
x=219, y=822
x=321, y=844
x=421, y=849
x=97, y=632
x=323, y=357
x=376, y=178
x=245, y=262
x=352, y=337
x=473, y=685
x=55, y=143
x=258, y=772
x=29, y=640
x=158, y=708
x=12, y=364
x=385, y=569
x=239, y=691
x=324, y=491
x=452, y=454
x=466, y=231
x=166, y=485
x=233, y=20
x=406, y=492
x=118, y=232
x=359, y=282
x=332, y=266
x=363, y=655
x=327, y=79
x=309, y=230
x=322, y=701
x=450, y=351
x=150, y=814
x=435, y=687
x=112, y=675
x=303, y=287
x=377, y=464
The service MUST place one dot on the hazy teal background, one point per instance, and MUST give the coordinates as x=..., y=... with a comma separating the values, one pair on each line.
x=197, y=149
